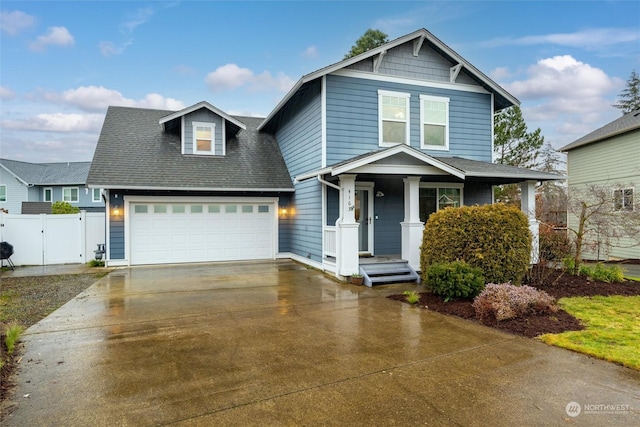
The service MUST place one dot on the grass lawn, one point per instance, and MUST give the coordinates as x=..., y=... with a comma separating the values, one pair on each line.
x=612, y=328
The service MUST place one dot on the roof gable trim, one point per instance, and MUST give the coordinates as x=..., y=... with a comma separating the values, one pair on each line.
x=199, y=105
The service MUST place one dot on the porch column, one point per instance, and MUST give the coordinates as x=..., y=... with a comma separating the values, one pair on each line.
x=528, y=206
x=348, y=228
x=411, y=226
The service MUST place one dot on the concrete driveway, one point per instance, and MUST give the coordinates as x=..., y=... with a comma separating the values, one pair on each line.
x=275, y=343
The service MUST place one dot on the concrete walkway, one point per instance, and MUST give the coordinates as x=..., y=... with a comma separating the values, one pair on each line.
x=274, y=343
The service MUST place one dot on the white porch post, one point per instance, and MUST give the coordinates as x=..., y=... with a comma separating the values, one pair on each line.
x=411, y=226
x=348, y=228
x=528, y=206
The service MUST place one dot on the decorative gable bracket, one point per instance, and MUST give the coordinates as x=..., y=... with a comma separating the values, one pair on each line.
x=378, y=60
x=453, y=72
x=417, y=45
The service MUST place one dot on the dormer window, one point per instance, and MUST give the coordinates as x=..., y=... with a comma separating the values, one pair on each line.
x=203, y=137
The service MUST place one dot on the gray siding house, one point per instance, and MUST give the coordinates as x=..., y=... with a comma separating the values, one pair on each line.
x=41, y=184
x=609, y=157
x=346, y=168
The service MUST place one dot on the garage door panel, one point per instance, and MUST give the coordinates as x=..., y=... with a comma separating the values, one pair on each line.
x=197, y=232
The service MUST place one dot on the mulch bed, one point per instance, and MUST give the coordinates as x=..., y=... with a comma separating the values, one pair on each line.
x=556, y=283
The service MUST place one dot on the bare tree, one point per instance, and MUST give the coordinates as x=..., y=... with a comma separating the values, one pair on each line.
x=607, y=216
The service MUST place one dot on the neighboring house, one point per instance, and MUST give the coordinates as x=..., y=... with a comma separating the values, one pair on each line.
x=348, y=165
x=610, y=157
x=40, y=184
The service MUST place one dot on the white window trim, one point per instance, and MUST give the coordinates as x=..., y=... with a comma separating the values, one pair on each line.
x=5, y=193
x=438, y=185
x=44, y=194
x=407, y=97
x=633, y=195
x=213, y=137
x=71, y=188
x=423, y=122
x=93, y=195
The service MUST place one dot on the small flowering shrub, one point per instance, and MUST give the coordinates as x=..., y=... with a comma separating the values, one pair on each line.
x=505, y=301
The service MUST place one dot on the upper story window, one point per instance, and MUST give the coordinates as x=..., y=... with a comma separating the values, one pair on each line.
x=95, y=195
x=70, y=194
x=623, y=199
x=434, y=116
x=47, y=195
x=393, y=113
x=203, y=138
x=3, y=193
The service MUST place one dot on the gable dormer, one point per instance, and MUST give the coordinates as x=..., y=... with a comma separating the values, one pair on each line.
x=204, y=129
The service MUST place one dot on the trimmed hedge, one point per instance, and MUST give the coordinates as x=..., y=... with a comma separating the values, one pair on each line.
x=494, y=238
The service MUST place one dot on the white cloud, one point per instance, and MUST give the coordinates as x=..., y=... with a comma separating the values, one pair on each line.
x=596, y=38
x=56, y=36
x=311, y=52
x=98, y=98
x=127, y=28
x=56, y=122
x=231, y=76
x=500, y=73
x=139, y=17
x=6, y=93
x=14, y=22
x=109, y=48
x=563, y=76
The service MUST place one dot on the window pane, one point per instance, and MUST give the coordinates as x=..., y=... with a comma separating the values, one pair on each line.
x=214, y=208
x=159, y=208
x=203, y=145
x=231, y=209
x=394, y=132
x=140, y=208
x=628, y=199
x=448, y=197
x=427, y=203
x=177, y=209
x=196, y=208
x=263, y=208
x=47, y=195
x=247, y=209
x=434, y=135
x=3, y=193
x=203, y=132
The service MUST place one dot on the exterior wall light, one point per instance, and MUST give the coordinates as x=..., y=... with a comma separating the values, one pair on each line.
x=116, y=210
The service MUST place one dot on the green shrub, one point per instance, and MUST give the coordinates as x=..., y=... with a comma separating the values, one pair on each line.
x=454, y=280
x=506, y=301
x=95, y=263
x=64, y=208
x=603, y=273
x=494, y=238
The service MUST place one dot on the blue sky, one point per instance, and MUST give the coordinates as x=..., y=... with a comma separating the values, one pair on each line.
x=64, y=62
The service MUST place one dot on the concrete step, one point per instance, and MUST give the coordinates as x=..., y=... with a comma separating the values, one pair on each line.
x=388, y=272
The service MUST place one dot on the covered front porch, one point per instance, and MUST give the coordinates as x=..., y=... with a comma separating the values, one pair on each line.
x=374, y=207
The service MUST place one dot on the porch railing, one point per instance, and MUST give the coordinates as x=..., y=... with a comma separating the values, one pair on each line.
x=329, y=240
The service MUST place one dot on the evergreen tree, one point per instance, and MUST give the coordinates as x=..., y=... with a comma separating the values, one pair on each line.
x=369, y=40
x=630, y=97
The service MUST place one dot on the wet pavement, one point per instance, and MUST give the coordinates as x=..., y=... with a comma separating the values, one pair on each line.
x=275, y=343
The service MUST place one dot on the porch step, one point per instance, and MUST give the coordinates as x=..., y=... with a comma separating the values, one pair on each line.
x=388, y=272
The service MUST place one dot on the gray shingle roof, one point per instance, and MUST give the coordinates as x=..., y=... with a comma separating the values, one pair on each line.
x=133, y=152
x=49, y=173
x=477, y=169
x=626, y=123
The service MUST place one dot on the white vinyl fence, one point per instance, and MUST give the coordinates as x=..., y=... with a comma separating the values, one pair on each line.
x=53, y=239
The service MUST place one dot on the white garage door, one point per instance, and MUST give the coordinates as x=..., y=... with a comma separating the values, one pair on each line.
x=198, y=232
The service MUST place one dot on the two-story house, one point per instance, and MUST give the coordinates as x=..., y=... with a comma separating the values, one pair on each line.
x=32, y=187
x=348, y=166
x=608, y=157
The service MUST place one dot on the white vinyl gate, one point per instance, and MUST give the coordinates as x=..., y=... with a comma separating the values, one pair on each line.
x=53, y=239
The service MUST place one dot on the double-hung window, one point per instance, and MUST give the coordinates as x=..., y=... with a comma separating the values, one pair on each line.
x=3, y=193
x=204, y=138
x=623, y=199
x=70, y=194
x=47, y=195
x=434, y=116
x=95, y=195
x=393, y=113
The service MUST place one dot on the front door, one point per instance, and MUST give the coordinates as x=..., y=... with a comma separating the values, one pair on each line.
x=364, y=217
